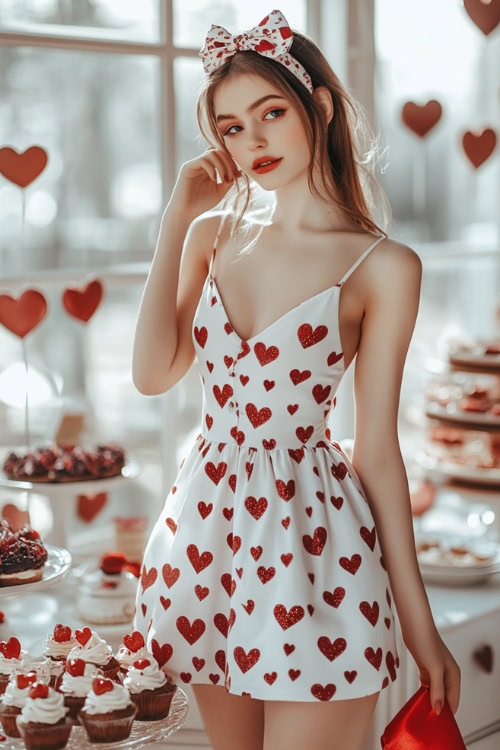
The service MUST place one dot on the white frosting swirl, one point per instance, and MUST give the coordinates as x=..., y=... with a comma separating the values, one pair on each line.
x=58, y=649
x=48, y=710
x=14, y=695
x=126, y=657
x=113, y=700
x=41, y=667
x=96, y=650
x=14, y=665
x=148, y=678
x=79, y=686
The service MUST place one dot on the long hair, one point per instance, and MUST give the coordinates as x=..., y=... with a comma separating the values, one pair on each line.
x=345, y=149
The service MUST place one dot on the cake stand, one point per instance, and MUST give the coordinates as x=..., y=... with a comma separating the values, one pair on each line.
x=62, y=495
x=57, y=565
x=143, y=732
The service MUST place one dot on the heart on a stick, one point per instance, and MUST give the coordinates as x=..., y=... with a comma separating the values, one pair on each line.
x=16, y=517
x=421, y=118
x=22, y=168
x=479, y=146
x=486, y=15
x=22, y=315
x=82, y=304
x=88, y=506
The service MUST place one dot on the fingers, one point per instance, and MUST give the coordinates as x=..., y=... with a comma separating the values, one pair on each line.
x=227, y=168
x=445, y=686
x=437, y=692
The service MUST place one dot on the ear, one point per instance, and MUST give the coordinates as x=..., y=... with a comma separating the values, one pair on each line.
x=324, y=97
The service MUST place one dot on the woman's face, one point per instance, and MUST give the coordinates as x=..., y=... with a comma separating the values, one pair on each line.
x=258, y=124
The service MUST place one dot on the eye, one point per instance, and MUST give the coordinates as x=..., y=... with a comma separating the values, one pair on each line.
x=280, y=111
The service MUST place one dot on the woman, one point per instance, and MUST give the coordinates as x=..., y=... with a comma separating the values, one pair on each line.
x=269, y=578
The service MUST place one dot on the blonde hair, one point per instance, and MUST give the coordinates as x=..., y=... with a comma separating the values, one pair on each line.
x=345, y=149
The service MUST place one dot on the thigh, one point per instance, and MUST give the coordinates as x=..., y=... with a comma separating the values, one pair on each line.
x=231, y=721
x=329, y=725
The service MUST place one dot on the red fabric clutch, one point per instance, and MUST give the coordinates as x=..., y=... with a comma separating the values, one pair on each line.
x=417, y=727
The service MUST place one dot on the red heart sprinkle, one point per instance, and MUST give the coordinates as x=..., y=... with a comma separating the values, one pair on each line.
x=24, y=680
x=75, y=667
x=141, y=663
x=133, y=642
x=11, y=649
x=39, y=690
x=62, y=633
x=82, y=636
x=101, y=685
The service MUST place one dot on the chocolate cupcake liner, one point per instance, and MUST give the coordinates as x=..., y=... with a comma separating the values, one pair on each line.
x=75, y=704
x=8, y=718
x=153, y=705
x=45, y=736
x=111, y=727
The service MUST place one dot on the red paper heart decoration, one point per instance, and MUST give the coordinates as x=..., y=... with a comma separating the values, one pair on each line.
x=62, y=633
x=101, y=685
x=17, y=518
x=421, y=118
x=75, y=667
x=22, y=315
x=82, y=304
x=11, y=648
x=479, y=146
x=24, y=680
x=88, y=506
x=486, y=15
x=141, y=663
x=22, y=168
x=133, y=642
x=82, y=636
x=39, y=690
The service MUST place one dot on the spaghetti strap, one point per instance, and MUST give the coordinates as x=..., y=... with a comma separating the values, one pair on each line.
x=360, y=259
x=216, y=241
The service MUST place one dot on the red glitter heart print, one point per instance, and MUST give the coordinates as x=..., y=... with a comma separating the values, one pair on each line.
x=266, y=528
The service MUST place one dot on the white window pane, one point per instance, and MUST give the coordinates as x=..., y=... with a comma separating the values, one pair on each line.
x=97, y=116
x=111, y=19
x=188, y=73
x=425, y=51
x=193, y=18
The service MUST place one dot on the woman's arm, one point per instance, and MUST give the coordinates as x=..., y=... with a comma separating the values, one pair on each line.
x=387, y=327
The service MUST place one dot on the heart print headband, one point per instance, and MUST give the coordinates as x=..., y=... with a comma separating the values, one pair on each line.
x=272, y=38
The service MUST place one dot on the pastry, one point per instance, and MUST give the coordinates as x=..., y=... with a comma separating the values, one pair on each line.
x=131, y=649
x=13, y=659
x=56, y=649
x=149, y=689
x=68, y=463
x=94, y=650
x=107, y=595
x=76, y=684
x=42, y=722
x=13, y=700
x=131, y=536
x=22, y=555
x=108, y=713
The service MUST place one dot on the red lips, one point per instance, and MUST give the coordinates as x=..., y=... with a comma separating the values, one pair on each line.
x=261, y=159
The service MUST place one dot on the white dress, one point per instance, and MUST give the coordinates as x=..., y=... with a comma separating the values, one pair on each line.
x=263, y=572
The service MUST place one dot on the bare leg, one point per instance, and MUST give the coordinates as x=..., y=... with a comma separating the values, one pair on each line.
x=329, y=725
x=232, y=722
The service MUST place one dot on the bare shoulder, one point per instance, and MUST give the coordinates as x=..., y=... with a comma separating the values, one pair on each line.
x=395, y=267
x=203, y=231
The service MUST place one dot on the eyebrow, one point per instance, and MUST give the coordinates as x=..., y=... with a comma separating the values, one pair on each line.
x=252, y=106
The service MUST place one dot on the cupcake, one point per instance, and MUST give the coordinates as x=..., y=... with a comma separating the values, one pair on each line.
x=12, y=659
x=107, y=595
x=42, y=722
x=108, y=712
x=94, y=650
x=131, y=649
x=76, y=684
x=13, y=700
x=149, y=689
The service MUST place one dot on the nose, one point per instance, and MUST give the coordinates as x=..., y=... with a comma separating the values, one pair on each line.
x=256, y=139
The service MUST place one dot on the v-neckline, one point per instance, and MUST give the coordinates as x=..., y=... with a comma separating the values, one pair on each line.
x=281, y=318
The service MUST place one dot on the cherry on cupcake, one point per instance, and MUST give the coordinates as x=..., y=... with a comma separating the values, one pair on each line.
x=62, y=633
x=39, y=690
x=24, y=680
x=142, y=663
x=75, y=667
x=113, y=563
x=11, y=649
x=101, y=685
x=133, y=642
x=82, y=636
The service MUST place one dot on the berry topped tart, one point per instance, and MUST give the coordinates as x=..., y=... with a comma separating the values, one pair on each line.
x=22, y=555
x=65, y=463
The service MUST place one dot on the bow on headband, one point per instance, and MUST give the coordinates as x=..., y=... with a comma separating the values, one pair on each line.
x=272, y=38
